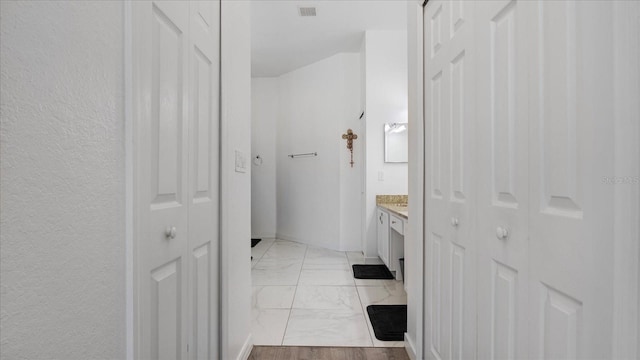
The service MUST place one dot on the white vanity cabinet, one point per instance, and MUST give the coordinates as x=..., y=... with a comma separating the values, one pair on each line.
x=390, y=239
x=383, y=235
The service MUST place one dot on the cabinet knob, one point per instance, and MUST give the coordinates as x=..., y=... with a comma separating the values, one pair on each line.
x=502, y=233
x=454, y=221
x=170, y=232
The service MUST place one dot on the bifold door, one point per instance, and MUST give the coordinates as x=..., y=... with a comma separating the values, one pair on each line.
x=450, y=253
x=518, y=222
x=176, y=144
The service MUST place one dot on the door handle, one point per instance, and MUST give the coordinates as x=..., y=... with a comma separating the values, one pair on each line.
x=502, y=233
x=170, y=232
x=454, y=221
x=380, y=218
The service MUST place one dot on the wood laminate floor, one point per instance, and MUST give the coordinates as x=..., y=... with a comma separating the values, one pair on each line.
x=326, y=353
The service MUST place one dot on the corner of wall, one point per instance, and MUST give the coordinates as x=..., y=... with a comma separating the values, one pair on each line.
x=235, y=186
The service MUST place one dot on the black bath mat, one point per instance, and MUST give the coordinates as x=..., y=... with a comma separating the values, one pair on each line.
x=375, y=272
x=255, y=242
x=389, y=321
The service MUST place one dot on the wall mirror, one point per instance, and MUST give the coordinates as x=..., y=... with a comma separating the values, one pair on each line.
x=396, y=143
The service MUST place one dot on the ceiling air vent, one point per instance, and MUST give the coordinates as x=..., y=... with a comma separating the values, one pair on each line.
x=307, y=11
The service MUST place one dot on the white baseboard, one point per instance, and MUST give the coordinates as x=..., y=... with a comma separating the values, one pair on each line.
x=288, y=238
x=263, y=236
x=411, y=349
x=246, y=349
x=373, y=260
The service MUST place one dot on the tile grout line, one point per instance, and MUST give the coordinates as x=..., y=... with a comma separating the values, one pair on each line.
x=252, y=285
x=364, y=311
x=295, y=292
x=261, y=256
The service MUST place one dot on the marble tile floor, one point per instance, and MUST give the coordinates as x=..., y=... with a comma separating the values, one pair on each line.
x=307, y=296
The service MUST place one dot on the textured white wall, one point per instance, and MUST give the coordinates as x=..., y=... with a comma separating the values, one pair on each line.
x=236, y=187
x=62, y=205
x=264, y=115
x=317, y=104
x=386, y=102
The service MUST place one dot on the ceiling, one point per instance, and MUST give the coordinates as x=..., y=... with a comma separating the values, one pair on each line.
x=282, y=40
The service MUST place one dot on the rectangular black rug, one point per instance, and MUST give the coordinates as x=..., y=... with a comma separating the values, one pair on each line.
x=389, y=321
x=255, y=242
x=375, y=272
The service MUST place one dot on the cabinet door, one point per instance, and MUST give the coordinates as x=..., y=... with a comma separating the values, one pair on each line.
x=160, y=53
x=383, y=236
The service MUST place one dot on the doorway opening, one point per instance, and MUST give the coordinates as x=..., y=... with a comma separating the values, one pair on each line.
x=326, y=82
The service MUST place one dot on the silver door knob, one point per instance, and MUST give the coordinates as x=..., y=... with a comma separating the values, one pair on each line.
x=454, y=221
x=170, y=232
x=502, y=233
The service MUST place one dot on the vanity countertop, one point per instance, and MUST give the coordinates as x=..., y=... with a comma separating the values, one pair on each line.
x=396, y=204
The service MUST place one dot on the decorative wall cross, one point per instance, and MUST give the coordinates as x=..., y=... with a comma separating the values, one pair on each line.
x=350, y=136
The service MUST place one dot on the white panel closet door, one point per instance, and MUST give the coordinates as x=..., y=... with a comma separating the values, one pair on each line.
x=544, y=225
x=502, y=183
x=450, y=195
x=571, y=208
x=176, y=126
x=161, y=125
x=204, y=125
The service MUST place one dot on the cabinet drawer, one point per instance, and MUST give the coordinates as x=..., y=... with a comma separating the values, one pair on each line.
x=397, y=224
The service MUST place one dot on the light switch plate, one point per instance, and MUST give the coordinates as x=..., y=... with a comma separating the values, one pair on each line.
x=241, y=162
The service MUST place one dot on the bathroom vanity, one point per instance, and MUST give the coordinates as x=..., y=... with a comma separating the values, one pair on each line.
x=392, y=218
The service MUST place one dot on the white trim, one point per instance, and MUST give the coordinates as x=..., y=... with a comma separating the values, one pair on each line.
x=281, y=236
x=414, y=241
x=409, y=347
x=246, y=348
x=129, y=193
x=264, y=236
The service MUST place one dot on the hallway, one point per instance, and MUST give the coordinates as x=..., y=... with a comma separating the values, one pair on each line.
x=307, y=296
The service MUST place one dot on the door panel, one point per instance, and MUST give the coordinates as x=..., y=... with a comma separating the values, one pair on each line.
x=166, y=303
x=437, y=196
x=203, y=177
x=176, y=109
x=160, y=66
x=450, y=197
x=504, y=286
x=557, y=136
x=528, y=202
x=502, y=183
x=202, y=310
x=571, y=209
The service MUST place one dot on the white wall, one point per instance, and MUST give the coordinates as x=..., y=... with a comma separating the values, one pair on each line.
x=236, y=187
x=414, y=235
x=386, y=102
x=351, y=178
x=264, y=115
x=63, y=180
x=318, y=103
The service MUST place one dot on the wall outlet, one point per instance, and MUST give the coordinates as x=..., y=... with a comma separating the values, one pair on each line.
x=241, y=162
